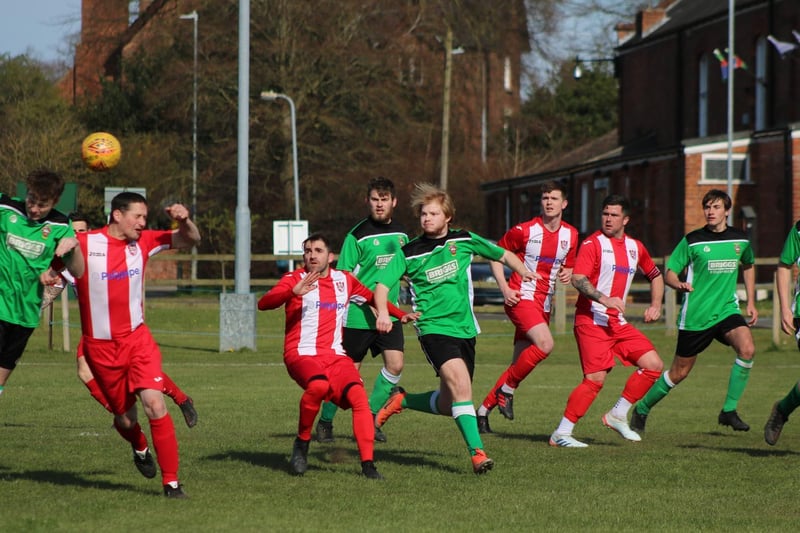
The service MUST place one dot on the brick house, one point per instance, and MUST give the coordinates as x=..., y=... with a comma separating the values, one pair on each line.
x=671, y=145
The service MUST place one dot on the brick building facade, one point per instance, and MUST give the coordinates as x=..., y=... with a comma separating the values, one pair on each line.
x=671, y=145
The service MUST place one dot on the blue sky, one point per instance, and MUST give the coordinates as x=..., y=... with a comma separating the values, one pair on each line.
x=38, y=27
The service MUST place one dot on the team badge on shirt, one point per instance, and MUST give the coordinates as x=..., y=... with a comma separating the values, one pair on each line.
x=339, y=286
x=46, y=230
x=632, y=253
x=13, y=219
x=376, y=242
x=452, y=248
x=132, y=248
x=564, y=244
x=737, y=248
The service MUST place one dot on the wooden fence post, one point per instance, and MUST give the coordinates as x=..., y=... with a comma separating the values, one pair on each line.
x=670, y=309
x=561, y=308
x=776, y=312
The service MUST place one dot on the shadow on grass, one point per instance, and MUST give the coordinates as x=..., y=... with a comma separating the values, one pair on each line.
x=753, y=452
x=67, y=479
x=414, y=458
x=536, y=438
x=275, y=461
x=323, y=454
x=165, y=347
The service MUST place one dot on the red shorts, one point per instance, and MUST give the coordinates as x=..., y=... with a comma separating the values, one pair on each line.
x=599, y=345
x=339, y=370
x=525, y=315
x=125, y=365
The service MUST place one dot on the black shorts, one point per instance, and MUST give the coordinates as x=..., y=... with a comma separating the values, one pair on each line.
x=13, y=339
x=691, y=343
x=356, y=342
x=439, y=349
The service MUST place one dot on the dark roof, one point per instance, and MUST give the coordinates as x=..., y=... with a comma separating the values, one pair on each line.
x=591, y=150
x=689, y=13
x=599, y=152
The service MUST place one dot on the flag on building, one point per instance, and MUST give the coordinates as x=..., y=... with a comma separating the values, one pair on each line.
x=783, y=47
x=723, y=62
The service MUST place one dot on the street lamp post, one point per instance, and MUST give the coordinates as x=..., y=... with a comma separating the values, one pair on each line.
x=271, y=96
x=194, y=17
x=577, y=73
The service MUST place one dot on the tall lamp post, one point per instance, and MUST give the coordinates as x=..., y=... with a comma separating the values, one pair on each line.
x=271, y=96
x=194, y=17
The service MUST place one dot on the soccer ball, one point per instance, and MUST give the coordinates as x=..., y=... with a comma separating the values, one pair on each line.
x=101, y=151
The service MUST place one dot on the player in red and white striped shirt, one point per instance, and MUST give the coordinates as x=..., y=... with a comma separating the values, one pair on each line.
x=55, y=280
x=607, y=261
x=121, y=352
x=546, y=244
x=316, y=298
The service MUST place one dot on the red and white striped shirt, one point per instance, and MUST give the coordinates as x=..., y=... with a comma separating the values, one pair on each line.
x=314, y=321
x=110, y=291
x=544, y=252
x=610, y=265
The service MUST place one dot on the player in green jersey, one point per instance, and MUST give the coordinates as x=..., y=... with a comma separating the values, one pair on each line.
x=790, y=323
x=711, y=256
x=367, y=248
x=437, y=265
x=31, y=234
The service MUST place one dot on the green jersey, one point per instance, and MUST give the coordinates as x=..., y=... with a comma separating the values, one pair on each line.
x=439, y=278
x=26, y=251
x=367, y=249
x=791, y=255
x=712, y=262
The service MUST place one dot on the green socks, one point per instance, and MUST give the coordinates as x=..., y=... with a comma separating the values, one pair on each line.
x=657, y=392
x=422, y=401
x=464, y=415
x=790, y=402
x=740, y=373
x=328, y=412
x=381, y=390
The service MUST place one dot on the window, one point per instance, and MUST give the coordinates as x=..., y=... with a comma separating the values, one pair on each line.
x=584, y=207
x=715, y=168
x=702, y=97
x=507, y=85
x=761, y=84
x=409, y=71
x=133, y=11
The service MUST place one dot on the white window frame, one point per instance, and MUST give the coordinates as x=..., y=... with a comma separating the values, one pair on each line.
x=745, y=161
x=507, y=82
x=702, y=96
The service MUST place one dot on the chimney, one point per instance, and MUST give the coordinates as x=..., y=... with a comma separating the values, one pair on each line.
x=649, y=19
x=625, y=31
x=102, y=24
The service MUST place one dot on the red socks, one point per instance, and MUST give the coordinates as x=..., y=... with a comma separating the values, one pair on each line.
x=526, y=362
x=166, y=447
x=639, y=383
x=363, y=424
x=581, y=399
x=310, y=402
x=172, y=390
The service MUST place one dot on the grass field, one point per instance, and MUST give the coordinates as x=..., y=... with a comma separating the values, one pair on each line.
x=63, y=468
